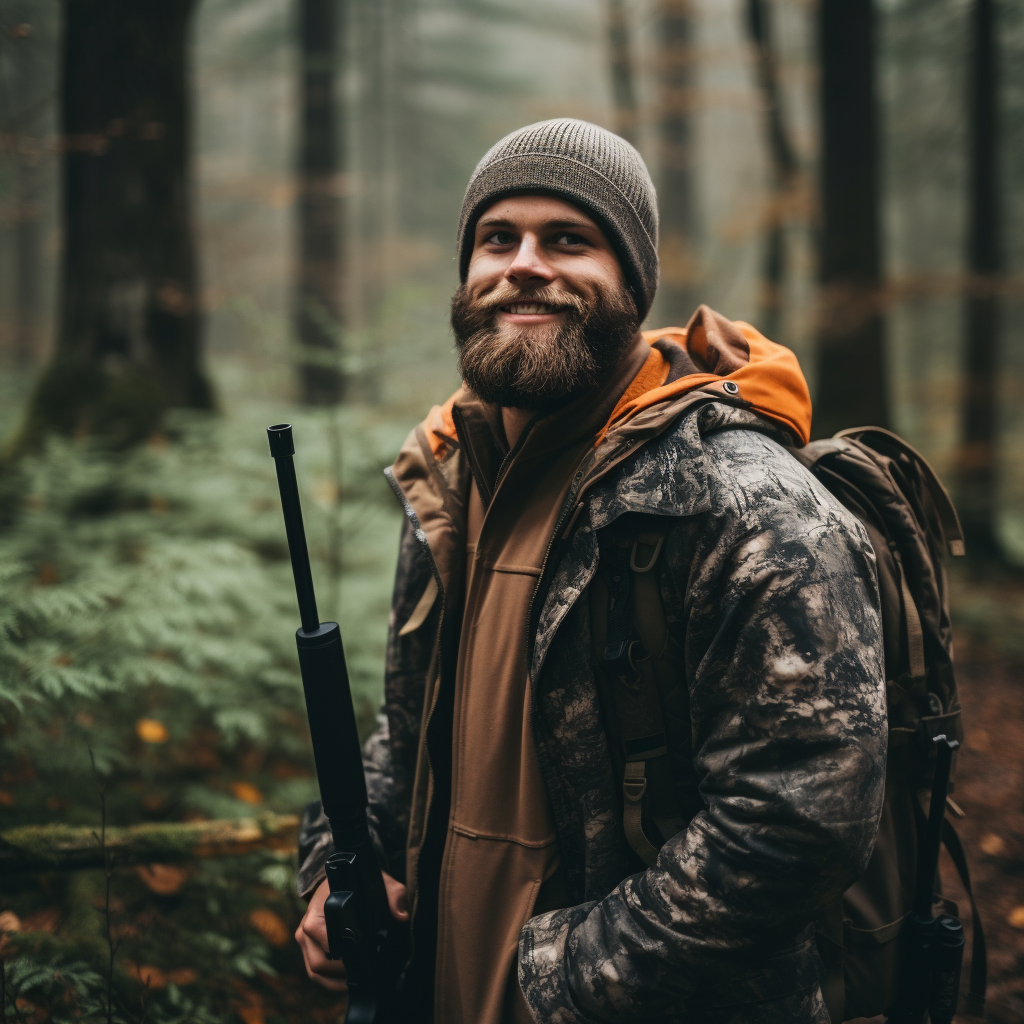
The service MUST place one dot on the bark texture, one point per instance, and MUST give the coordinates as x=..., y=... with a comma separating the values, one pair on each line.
x=783, y=163
x=677, y=249
x=128, y=345
x=978, y=452
x=318, y=304
x=851, y=333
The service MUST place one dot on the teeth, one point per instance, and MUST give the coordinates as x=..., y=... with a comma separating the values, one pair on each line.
x=527, y=308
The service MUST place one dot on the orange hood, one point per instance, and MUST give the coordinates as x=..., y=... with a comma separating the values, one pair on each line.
x=710, y=350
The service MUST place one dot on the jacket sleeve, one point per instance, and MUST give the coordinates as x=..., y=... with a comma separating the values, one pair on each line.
x=389, y=755
x=773, y=595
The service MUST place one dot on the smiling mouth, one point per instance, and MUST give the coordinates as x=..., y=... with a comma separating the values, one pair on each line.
x=530, y=308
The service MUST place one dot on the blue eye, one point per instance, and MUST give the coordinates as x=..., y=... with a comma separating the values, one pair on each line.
x=567, y=238
x=502, y=238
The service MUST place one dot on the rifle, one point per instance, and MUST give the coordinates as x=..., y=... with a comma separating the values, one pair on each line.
x=934, y=945
x=360, y=928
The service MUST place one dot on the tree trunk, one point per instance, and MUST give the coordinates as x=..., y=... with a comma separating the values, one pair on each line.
x=128, y=345
x=852, y=387
x=784, y=167
x=318, y=312
x=679, y=266
x=29, y=249
x=977, y=456
x=622, y=74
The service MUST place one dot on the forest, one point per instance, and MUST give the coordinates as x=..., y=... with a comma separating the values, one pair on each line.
x=220, y=214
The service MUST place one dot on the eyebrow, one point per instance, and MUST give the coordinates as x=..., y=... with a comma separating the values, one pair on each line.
x=554, y=225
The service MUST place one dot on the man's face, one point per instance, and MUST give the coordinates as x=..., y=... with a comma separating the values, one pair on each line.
x=545, y=313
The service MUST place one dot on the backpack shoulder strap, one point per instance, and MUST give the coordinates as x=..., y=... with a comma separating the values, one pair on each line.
x=628, y=666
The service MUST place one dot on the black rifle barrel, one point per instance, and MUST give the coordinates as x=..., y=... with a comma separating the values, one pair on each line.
x=282, y=447
x=360, y=928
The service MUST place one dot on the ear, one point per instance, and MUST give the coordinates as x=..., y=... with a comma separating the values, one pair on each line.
x=717, y=345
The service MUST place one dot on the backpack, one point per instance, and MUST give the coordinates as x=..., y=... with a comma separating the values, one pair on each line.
x=911, y=522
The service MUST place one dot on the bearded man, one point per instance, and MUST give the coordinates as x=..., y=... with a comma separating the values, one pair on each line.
x=634, y=734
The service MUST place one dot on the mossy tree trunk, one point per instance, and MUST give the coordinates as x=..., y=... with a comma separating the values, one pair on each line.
x=852, y=386
x=128, y=345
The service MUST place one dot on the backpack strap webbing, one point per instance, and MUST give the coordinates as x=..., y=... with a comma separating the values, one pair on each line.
x=912, y=621
x=975, y=1005
x=628, y=664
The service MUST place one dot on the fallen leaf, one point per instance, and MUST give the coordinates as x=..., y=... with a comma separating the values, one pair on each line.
x=150, y=976
x=163, y=879
x=58, y=803
x=152, y=802
x=993, y=845
x=270, y=926
x=6, y=799
x=10, y=922
x=246, y=792
x=251, y=1011
x=47, y=574
x=42, y=921
x=1016, y=917
x=182, y=976
x=149, y=730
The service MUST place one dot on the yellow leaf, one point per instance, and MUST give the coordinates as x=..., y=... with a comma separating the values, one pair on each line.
x=270, y=926
x=149, y=730
x=246, y=792
x=1016, y=917
x=10, y=922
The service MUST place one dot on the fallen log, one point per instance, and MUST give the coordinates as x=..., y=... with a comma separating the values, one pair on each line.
x=67, y=847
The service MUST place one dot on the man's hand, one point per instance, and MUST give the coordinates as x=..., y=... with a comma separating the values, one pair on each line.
x=311, y=935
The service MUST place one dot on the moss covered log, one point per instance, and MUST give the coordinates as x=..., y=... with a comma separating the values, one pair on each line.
x=64, y=847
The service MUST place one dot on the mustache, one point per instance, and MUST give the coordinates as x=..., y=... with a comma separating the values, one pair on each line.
x=506, y=294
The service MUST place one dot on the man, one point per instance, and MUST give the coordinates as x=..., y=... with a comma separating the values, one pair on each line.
x=592, y=509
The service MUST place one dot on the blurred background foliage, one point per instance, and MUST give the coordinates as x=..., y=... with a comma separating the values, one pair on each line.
x=218, y=214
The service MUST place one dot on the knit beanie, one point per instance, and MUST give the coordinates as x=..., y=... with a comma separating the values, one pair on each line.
x=590, y=167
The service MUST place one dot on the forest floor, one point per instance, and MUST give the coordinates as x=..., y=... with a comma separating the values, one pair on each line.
x=990, y=788
x=990, y=781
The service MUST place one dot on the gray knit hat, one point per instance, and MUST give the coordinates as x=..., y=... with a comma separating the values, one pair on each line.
x=587, y=165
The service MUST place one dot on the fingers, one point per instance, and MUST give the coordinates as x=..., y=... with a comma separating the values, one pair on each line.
x=398, y=897
x=311, y=935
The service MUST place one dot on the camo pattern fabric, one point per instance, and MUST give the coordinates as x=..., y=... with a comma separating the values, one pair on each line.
x=768, y=584
x=771, y=593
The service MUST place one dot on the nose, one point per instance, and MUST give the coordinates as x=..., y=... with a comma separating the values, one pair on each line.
x=528, y=266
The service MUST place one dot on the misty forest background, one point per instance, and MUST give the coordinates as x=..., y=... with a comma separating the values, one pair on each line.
x=217, y=215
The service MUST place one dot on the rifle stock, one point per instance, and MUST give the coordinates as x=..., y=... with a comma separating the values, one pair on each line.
x=360, y=928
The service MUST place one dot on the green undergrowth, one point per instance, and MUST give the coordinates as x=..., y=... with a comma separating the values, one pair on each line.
x=147, y=616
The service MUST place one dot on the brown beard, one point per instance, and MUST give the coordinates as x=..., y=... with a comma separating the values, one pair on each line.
x=538, y=367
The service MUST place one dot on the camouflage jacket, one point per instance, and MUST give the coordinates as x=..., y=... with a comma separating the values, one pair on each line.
x=768, y=586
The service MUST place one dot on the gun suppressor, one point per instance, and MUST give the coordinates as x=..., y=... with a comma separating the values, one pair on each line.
x=360, y=928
